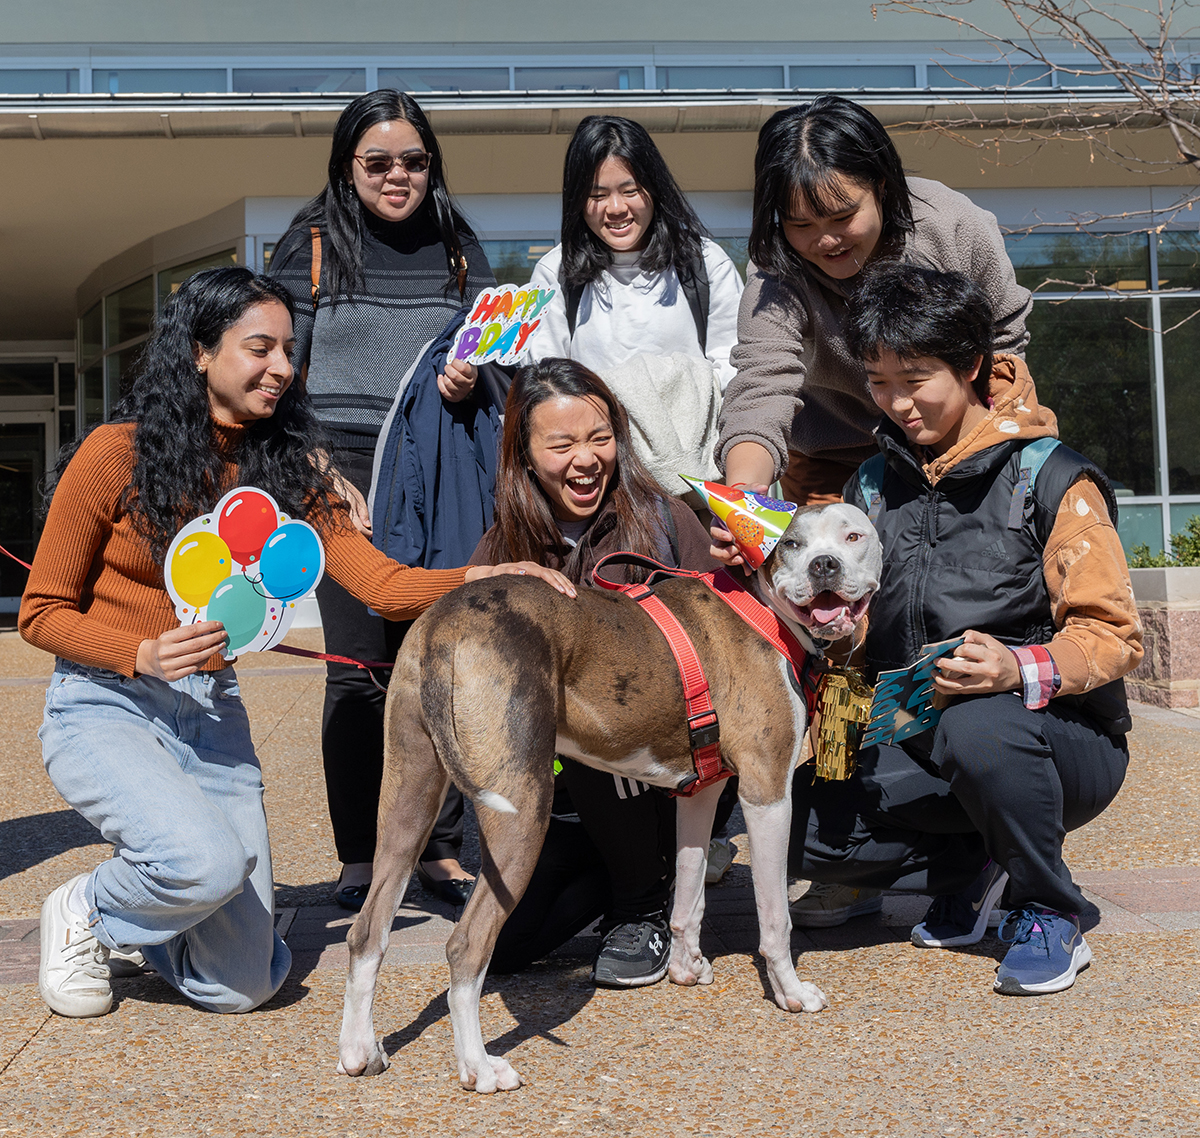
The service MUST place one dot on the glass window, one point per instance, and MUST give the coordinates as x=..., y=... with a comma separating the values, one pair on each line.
x=1178, y=261
x=998, y=75
x=27, y=378
x=738, y=250
x=268, y=252
x=580, y=78
x=169, y=280
x=1082, y=260
x=1181, y=514
x=300, y=81
x=1093, y=367
x=1140, y=525
x=850, y=78
x=445, y=78
x=512, y=261
x=1181, y=349
x=93, y=394
x=1067, y=79
x=66, y=426
x=91, y=333
x=41, y=81
x=22, y=467
x=66, y=384
x=122, y=369
x=719, y=78
x=157, y=80
x=128, y=313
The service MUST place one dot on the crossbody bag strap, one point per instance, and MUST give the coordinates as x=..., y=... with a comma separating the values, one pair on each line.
x=316, y=266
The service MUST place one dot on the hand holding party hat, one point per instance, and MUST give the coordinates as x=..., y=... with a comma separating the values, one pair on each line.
x=756, y=521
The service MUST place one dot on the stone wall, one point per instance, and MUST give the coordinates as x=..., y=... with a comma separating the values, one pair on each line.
x=1169, y=606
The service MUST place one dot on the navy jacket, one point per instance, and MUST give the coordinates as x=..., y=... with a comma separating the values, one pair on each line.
x=437, y=471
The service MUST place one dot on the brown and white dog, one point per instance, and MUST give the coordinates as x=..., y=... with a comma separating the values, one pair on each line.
x=500, y=674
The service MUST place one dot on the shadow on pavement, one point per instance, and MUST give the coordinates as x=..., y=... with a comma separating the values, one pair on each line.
x=26, y=842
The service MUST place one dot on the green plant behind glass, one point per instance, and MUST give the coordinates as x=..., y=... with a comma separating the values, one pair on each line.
x=1185, y=549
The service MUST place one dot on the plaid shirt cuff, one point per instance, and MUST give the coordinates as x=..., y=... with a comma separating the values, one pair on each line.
x=1038, y=674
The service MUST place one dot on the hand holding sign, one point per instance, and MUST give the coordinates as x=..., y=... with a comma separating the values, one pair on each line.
x=504, y=318
x=245, y=565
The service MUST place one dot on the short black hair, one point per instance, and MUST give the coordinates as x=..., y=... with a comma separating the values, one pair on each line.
x=800, y=149
x=914, y=311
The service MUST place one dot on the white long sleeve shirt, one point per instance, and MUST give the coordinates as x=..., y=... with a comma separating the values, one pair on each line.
x=627, y=313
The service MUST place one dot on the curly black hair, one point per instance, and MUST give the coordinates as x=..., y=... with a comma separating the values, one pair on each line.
x=179, y=471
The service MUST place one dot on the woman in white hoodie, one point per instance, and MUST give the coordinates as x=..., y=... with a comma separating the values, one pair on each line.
x=645, y=298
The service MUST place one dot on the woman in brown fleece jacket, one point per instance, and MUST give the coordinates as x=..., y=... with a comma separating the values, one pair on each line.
x=831, y=196
x=145, y=733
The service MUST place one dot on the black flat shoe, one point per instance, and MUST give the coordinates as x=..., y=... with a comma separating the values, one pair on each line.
x=351, y=897
x=455, y=891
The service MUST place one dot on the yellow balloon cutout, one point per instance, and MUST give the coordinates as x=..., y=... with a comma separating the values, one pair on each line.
x=198, y=566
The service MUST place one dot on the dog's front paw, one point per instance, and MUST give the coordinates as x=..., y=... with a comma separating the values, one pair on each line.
x=696, y=970
x=495, y=1075
x=804, y=997
x=375, y=1062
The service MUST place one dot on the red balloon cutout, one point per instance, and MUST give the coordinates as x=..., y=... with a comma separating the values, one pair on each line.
x=245, y=524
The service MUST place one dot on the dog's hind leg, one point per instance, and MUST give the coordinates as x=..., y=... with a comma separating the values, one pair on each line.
x=693, y=829
x=509, y=844
x=414, y=787
x=769, y=829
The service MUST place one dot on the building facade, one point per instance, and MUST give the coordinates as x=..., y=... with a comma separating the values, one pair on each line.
x=141, y=142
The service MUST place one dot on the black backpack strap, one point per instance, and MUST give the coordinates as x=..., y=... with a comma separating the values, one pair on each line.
x=694, y=282
x=572, y=294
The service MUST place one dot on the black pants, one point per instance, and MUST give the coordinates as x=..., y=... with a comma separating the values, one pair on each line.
x=620, y=843
x=1001, y=781
x=352, y=725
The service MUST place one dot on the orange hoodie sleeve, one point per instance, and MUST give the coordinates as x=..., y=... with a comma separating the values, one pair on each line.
x=1099, y=635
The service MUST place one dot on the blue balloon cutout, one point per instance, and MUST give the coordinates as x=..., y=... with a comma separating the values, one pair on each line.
x=291, y=561
x=241, y=609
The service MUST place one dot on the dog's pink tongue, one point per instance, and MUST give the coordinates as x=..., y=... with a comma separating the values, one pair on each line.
x=826, y=608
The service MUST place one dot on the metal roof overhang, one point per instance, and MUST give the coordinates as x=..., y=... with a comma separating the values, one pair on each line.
x=518, y=112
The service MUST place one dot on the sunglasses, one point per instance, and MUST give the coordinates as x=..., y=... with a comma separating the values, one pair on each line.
x=380, y=165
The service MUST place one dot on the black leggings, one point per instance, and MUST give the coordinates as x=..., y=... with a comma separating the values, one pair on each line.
x=352, y=725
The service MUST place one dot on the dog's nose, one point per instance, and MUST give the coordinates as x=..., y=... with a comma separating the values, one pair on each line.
x=824, y=568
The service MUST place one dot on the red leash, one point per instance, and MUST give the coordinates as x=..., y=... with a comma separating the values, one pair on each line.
x=365, y=665
x=15, y=558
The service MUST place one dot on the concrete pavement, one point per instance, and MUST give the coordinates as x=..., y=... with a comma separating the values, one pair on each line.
x=914, y=1042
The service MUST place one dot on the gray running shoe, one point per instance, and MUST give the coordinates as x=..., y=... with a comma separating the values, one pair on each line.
x=634, y=954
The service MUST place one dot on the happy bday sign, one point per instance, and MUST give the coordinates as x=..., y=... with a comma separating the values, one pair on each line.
x=246, y=565
x=503, y=320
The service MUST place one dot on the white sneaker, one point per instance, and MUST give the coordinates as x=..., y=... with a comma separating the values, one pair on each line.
x=824, y=906
x=720, y=858
x=124, y=964
x=73, y=972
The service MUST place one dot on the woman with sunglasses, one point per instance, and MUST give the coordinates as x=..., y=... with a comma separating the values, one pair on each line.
x=397, y=261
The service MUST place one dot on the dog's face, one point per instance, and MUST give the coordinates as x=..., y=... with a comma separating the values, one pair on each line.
x=825, y=569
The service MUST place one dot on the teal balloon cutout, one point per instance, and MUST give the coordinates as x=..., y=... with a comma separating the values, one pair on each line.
x=241, y=609
x=291, y=561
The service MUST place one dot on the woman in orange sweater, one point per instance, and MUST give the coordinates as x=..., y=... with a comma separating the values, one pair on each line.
x=144, y=731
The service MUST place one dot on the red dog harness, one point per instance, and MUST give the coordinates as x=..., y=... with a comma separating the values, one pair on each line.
x=704, y=729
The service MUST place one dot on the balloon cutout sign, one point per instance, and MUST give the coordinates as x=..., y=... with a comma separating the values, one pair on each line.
x=246, y=565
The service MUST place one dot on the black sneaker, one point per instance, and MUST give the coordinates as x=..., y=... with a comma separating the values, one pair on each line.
x=634, y=954
x=962, y=918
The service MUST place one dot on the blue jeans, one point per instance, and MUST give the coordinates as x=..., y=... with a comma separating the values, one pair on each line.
x=168, y=774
